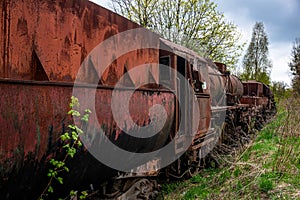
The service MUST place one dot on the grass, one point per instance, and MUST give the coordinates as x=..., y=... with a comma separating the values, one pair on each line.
x=268, y=168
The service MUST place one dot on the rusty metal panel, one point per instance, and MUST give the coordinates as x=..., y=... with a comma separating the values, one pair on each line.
x=31, y=118
x=128, y=61
x=253, y=88
x=263, y=101
x=235, y=86
x=221, y=67
x=33, y=115
x=205, y=114
x=57, y=35
x=181, y=51
x=266, y=91
x=217, y=89
x=249, y=100
x=254, y=101
x=260, y=90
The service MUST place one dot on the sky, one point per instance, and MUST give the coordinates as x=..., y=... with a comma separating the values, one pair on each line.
x=281, y=19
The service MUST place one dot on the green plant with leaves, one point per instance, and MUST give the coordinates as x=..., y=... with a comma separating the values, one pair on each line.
x=281, y=90
x=71, y=143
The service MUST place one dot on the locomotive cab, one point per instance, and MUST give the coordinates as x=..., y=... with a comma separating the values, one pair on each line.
x=194, y=70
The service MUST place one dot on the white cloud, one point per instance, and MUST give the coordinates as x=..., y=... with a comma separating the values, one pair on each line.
x=280, y=56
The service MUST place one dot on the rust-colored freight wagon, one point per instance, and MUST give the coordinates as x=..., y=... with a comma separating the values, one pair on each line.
x=43, y=44
x=49, y=47
x=255, y=94
x=160, y=106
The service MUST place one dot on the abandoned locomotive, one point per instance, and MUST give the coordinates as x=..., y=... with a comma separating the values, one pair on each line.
x=136, y=84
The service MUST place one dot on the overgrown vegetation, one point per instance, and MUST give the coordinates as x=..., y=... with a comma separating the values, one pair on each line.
x=281, y=90
x=71, y=143
x=294, y=65
x=268, y=168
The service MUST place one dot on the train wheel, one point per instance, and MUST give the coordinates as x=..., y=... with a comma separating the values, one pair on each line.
x=139, y=189
x=133, y=188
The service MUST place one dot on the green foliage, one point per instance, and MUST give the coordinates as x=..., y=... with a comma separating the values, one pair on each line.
x=237, y=172
x=197, y=179
x=265, y=182
x=83, y=195
x=168, y=188
x=197, y=192
x=256, y=63
x=294, y=65
x=280, y=90
x=71, y=143
x=195, y=24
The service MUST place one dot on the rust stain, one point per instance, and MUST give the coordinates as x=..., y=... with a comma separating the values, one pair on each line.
x=43, y=44
x=32, y=123
x=58, y=35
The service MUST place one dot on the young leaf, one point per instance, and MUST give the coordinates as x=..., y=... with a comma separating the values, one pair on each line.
x=50, y=189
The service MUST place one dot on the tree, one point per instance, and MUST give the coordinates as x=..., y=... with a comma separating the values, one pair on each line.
x=280, y=90
x=256, y=63
x=295, y=65
x=195, y=24
x=140, y=11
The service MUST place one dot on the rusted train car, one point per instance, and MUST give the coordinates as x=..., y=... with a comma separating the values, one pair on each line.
x=261, y=98
x=48, y=48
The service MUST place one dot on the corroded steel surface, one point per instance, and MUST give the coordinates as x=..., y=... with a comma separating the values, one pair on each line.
x=33, y=115
x=48, y=40
x=205, y=114
x=221, y=83
x=254, y=101
x=194, y=64
x=217, y=87
x=43, y=44
x=235, y=87
x=253, y=88
x=267, y=92
x=221, y=67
